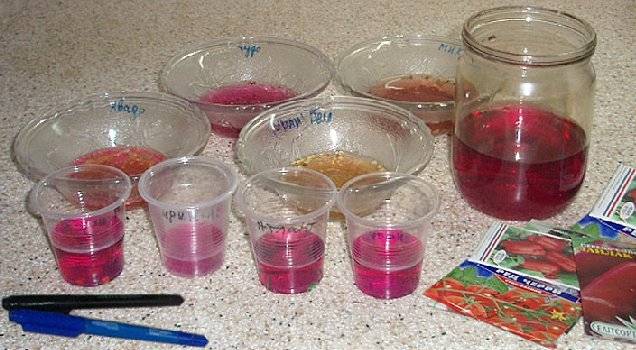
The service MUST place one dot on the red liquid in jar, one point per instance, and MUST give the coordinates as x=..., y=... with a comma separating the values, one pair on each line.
x=190, y=250
x=289, y=261
x=387, y=263
x=518, y=162
x=247, y=93
x=132, y=160
x=73, y=242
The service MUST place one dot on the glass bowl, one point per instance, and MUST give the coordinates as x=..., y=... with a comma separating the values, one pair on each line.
x=130, y=131
x=415, y=72
x=339, y=136
x=234, y=79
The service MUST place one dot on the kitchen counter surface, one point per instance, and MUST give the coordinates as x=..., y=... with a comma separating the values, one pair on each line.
x=56, y=51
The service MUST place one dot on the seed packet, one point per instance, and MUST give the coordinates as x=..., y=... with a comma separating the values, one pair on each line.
x=526, y=306
x=605, y=255
x=535, y=250
x=617, y=204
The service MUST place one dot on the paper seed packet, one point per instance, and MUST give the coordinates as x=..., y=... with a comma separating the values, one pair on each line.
x=617, y=204
x=605, y=255
x=512, y=284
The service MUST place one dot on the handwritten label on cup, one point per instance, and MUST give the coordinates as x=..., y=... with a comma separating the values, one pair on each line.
x=266, y=227
x=191, y=216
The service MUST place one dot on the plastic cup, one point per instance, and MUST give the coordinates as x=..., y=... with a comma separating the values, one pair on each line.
x=286, y=211
x=388, y=220
x=82, y=208
x=189, y=202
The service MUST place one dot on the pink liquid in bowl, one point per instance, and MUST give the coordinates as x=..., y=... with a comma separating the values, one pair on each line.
x=226, y=123
x=289, y=261
x=387, y=263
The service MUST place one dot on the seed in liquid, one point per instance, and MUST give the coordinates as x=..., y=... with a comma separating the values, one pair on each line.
x=340, y=166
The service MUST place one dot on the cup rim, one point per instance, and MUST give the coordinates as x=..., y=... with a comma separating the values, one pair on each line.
x=435, y=198
x=397, y=38
x=165, y=84
x=326, y=207
x=34, y=196
x=200, y=160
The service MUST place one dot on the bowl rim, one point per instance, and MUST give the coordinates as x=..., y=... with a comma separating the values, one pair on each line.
x=202, y=161
x=19, y=147
x=266, y=116
x=224, y=41
x=344, y=87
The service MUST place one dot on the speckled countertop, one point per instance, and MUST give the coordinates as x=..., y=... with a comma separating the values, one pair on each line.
x=54, y=51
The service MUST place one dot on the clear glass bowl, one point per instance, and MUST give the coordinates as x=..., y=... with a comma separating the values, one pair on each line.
x=421, y=67
x=278, y=71
x=156, y=121
x=371, y=130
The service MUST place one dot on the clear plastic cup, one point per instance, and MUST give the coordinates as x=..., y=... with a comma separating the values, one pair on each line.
x=388, y=220
x=286, y=211
x=189, y=203
x=82, y=208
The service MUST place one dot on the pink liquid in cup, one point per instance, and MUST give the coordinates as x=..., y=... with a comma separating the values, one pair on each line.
x=190, y=250
x=289, y=261
x=387, y=263
x=73, y=240
x=246, y=93
x=521, y=174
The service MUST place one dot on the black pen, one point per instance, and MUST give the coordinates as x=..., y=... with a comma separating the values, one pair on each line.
x=68, y=302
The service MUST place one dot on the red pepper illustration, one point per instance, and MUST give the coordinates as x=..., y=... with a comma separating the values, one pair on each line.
x=524, y=248
x=549, y=243
x=549, y=269
x=566, y=263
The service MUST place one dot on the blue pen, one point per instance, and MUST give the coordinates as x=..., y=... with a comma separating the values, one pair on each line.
x=56, y=323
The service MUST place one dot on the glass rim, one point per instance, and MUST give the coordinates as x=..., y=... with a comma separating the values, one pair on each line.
x=387, y=175
x=174, y=60
x=581, y=52
x=324, y=208
x=35, y=200
x=200, y=160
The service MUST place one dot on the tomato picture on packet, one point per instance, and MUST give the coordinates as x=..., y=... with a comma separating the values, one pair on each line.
x=535, y=310
x=543, y=253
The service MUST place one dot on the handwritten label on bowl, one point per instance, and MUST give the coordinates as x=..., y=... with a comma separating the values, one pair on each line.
x=316, y=117
x=250, y=50
x=121, y=106
x=450, y=49
x=319, y=117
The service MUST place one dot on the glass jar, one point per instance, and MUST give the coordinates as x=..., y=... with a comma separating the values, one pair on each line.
x=524, y=105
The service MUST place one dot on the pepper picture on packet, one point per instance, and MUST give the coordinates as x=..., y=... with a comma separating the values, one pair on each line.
x=545, y=254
